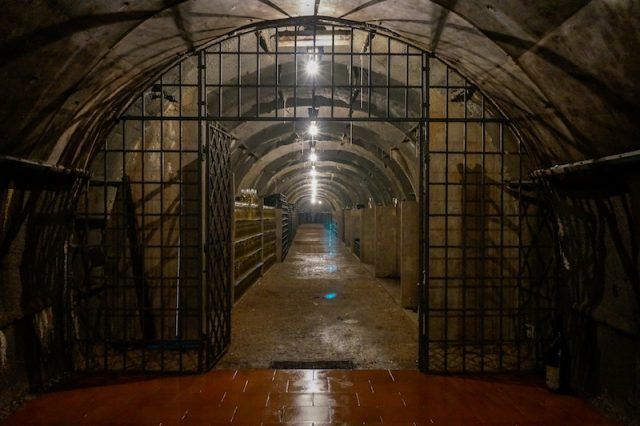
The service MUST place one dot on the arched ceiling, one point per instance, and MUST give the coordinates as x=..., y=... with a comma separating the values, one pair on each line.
x=565, y=72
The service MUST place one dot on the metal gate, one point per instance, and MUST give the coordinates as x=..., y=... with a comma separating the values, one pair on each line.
x=149, y=282
x=219, y=217
x=488, y=257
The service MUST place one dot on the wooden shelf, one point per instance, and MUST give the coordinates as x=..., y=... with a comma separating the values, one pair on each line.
x=248, y=273
x=239, y=240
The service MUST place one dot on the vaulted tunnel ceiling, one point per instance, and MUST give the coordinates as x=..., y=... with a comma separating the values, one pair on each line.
x=566, y=73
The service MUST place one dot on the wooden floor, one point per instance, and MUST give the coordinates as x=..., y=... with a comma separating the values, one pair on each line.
x=310, y=396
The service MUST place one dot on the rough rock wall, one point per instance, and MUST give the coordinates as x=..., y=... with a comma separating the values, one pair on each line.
x=598, y=227
x=34, y=228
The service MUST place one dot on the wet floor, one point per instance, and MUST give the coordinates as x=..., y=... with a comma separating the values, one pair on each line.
x=311, y=397
x=321, y=304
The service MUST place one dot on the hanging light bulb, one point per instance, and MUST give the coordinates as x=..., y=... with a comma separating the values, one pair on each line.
x=312, y=66
x=313, y=157
x=313, y=171
x=313, y=129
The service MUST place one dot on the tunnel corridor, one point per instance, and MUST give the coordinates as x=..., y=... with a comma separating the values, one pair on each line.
x=321, y=305
x=320, y=211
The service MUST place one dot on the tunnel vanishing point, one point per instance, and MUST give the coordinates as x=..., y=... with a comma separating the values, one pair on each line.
x=316, y=211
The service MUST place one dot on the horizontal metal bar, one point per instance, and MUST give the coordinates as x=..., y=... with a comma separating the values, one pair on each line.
x=313, y=86
x=250, y=118
x=304, y=53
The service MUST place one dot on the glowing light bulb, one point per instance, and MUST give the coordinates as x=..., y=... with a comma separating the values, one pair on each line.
x=312, y=67
x=313, y=157
x=313, y=129
x=313, y=172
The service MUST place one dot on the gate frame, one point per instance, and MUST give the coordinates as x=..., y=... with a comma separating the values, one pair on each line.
x=423, y=121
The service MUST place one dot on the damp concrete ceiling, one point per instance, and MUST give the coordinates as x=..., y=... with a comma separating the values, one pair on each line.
x=566, y=72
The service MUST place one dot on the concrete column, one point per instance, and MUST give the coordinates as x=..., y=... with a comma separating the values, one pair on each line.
x=340, y=219
x=386, y=260
x=348, y=229
x=356, y=219
x=368, y=236
x=409, y=251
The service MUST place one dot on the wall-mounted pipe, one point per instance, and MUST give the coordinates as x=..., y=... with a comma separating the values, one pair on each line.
x=30, y=174
x=9, y=164
x=587, y=166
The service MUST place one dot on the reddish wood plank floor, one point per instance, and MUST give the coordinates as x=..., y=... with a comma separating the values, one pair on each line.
x=310, y=396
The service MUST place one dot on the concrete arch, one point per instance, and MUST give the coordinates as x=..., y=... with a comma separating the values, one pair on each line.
x=382, y=140
x=352, y=193
x=378, y=193
x=328, y=195
x=328, y=149
x=377, y=187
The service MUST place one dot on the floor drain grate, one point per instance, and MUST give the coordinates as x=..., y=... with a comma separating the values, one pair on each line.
x=312, y=365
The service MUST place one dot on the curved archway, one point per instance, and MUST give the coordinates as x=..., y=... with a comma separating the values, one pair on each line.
x=384, y=121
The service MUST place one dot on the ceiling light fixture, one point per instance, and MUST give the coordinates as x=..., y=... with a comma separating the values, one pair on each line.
x=313, y=129
x=312, y=67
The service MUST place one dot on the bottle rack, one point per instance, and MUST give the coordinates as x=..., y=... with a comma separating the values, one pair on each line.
x=268, y=237
x=247, y=246
x=279, y=201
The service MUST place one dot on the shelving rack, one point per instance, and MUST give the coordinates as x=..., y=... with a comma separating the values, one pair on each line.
x=248, y=246
x=279, y=201
x=268, y=237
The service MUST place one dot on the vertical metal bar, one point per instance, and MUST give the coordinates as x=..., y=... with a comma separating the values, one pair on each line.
x=406, y=82
x=203, y=335
x=466, y=216
x=333, y=68
x=295, y=73
x=483, y=236
x=220, y=81
x=423, y=227
x=520, y=249
x=258, y=82
x=239, y=77
x=351, y=77
x=142, y=205
x=162, y=235
x=369, y=82
x=446, y=222
x=277, y=76
x=502, y=269
x=388, y=115
x=177, y=319
x=314, y=79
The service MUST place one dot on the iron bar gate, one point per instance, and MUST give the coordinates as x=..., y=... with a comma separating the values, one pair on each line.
x=148, y=291
x=149, y=285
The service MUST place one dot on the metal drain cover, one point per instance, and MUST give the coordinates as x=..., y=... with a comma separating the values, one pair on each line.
x=312, y=365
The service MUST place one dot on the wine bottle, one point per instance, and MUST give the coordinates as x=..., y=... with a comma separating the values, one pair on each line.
x=557, y=370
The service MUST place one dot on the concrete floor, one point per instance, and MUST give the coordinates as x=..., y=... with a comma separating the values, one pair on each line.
x=290, y=315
